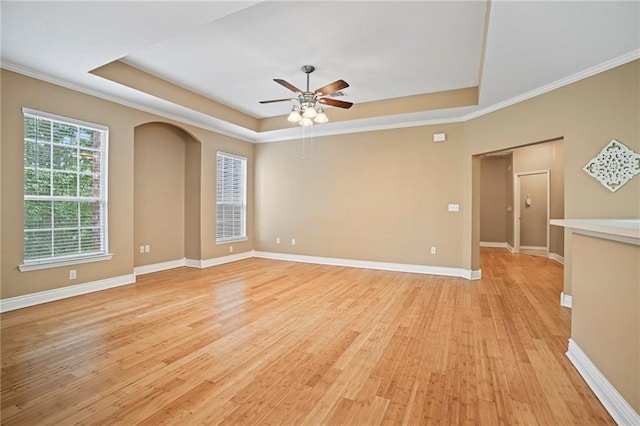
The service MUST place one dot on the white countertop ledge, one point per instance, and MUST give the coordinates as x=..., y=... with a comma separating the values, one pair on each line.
x=621, y=230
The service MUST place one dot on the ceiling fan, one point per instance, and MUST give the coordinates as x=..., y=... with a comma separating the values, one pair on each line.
x=307, y=111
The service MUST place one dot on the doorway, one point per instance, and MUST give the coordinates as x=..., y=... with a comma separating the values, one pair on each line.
x=531, y=212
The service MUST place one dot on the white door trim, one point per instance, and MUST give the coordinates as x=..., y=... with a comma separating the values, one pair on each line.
x=516, y=206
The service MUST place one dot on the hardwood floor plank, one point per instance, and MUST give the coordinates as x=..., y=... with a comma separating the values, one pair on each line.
x=261, y=341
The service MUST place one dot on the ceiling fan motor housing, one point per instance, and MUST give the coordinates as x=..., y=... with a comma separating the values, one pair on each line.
x=308, y=69
x=307, y=99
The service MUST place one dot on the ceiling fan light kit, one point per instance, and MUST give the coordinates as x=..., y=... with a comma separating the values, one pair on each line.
x=305, y=122
x=321, y=117
x=294, y=115
x=308, y=111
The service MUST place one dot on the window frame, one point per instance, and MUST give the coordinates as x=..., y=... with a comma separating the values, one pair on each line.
x=243, y=204
x=76, y=258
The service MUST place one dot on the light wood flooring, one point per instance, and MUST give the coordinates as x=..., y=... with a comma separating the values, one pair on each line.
x=269, y=342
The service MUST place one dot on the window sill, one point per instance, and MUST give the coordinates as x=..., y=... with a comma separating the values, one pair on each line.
x=26, y=267
x=233, y=241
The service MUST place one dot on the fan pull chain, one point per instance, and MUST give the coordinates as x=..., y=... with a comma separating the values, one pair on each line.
x=303, y=132
x=304, y=147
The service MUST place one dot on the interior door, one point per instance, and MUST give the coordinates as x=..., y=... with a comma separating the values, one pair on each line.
x=533, y=211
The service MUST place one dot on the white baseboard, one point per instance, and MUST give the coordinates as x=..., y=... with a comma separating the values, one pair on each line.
x=536, y=248
x=384, y=266
x=492, y=244
x=79, y=289
x=556, y=257
x=192, y=263
x=32, y=299
x=157, y=267
x=504, y=245
x=227, y=259
x=565, y=300
x=610, y=398
x=552, y=256
x=472, y=275
x=206, y=263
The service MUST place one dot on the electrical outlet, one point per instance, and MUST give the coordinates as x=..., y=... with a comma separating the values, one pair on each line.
x=230, y=249
x=434, y=250
x=72, y=274
x=277, y=240
x=293, y=241
x=147, y=248
x=141, y=249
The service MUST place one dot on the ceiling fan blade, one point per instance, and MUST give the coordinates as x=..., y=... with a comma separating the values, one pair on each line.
x=335, y=103
x=287, y=85
x=277, y=100
x=332, y=87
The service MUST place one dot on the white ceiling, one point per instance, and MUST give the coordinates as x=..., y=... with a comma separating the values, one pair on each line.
x=231, y=51
x=383, y=49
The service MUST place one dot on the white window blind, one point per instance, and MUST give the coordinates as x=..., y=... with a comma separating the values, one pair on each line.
x=231, y=197
x=65, y=189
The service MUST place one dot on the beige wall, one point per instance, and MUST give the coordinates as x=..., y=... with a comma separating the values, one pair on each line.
x=1, y=187
x=19, y=91
x=209, y=248
x=333, y=207
x=493, y=199
x=159, y=192
x=175, y=199
x=399, y=167
x=378, y=196
x=192, y=200
x=587, y=115
x=605, y=319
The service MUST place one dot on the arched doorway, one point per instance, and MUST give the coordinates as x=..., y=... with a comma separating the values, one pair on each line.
x=166, y=196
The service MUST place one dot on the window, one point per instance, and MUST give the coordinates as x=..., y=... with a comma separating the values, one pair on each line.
x=231, y=198
x=65, y=190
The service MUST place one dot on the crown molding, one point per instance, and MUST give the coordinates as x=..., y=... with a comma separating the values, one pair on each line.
x=222, y=127
x=362, y=126
x=216, y=125
x=612, y=63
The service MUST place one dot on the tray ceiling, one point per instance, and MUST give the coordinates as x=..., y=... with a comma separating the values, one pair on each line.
x=403, y=60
